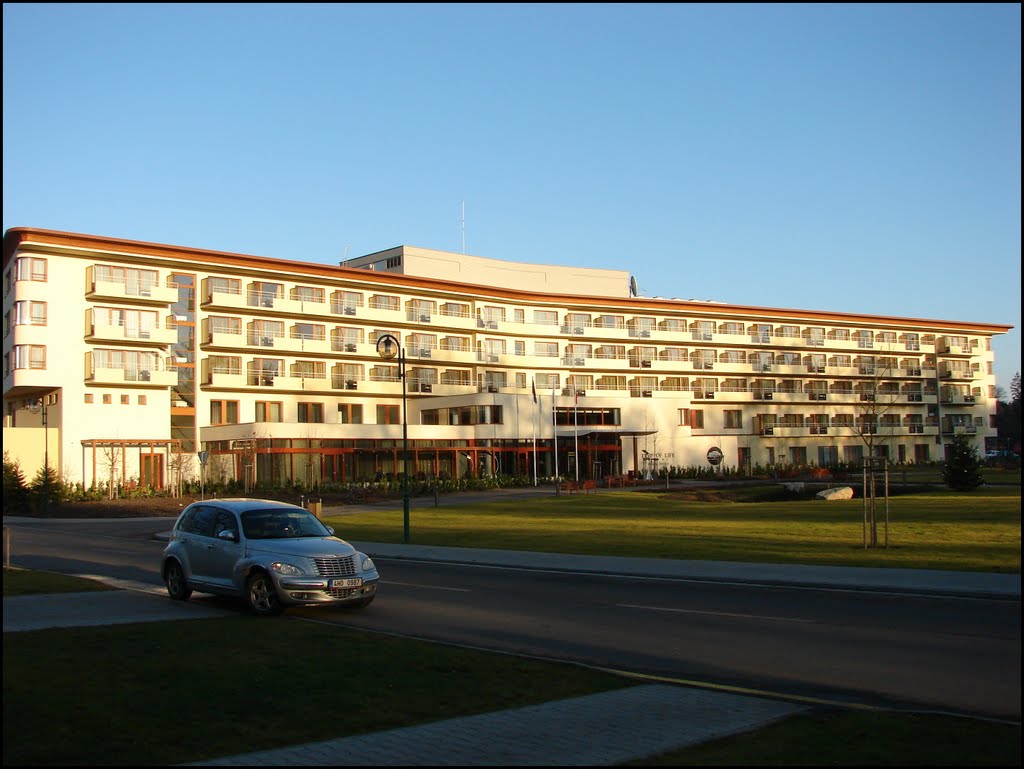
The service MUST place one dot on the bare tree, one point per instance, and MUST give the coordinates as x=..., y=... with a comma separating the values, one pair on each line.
x=878, y=392
x=111, y=455
x=182, y=465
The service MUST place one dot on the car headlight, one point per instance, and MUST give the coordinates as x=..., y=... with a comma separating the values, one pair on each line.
x=368, y=564
x=286, y=568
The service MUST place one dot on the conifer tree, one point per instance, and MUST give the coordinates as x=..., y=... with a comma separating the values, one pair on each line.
x=962, y=471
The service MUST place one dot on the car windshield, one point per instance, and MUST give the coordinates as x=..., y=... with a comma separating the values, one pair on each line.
x=281, y=523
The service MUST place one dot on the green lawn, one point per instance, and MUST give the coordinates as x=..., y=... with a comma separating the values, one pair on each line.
x=935, y=530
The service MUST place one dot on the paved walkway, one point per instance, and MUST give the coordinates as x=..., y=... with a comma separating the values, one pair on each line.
x=598, y=730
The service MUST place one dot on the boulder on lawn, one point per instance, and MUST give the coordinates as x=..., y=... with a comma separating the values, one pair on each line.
x=840, y=492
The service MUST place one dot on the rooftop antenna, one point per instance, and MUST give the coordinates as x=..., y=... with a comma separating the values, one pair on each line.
x=463, y=226
x=633, y=290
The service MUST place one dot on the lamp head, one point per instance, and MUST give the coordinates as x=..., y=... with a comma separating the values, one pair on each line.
x=387, y=346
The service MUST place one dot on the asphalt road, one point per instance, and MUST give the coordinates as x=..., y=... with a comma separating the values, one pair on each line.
x=957, y=654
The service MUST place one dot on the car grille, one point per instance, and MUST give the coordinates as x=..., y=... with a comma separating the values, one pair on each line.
x=335, y=567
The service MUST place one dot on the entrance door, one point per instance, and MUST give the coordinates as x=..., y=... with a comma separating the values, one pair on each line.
x=151, y=470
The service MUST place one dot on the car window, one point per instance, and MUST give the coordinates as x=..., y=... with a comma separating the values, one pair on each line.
x=185, y=522
x=281, y=523
x=202, y=521
x=225, y=521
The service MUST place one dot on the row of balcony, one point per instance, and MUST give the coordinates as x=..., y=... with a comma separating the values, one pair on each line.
x=141, y=286
x=297, y=378
x=320, y=344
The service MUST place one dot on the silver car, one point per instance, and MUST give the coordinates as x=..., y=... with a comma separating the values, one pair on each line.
x=272, y=554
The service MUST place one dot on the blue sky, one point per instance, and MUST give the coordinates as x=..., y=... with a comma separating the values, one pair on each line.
x=858, y=158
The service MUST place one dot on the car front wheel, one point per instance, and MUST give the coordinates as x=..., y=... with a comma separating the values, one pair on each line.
x=177, y=585
x=261, y=595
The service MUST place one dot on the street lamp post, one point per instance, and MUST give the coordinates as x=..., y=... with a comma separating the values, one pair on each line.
x=389, y=348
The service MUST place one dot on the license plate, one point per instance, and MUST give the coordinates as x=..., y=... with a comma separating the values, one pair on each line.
x=350, y=582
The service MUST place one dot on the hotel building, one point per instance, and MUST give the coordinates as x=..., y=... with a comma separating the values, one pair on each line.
x=130, y=362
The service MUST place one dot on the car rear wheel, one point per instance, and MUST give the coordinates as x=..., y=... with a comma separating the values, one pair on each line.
x=261, y=595
x=177, y=585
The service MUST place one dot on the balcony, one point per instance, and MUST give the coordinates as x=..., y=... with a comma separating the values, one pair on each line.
x=107, y=291
x=132, y=376
x=99, y=332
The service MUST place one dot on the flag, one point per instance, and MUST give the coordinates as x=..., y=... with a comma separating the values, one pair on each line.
x=534, y=386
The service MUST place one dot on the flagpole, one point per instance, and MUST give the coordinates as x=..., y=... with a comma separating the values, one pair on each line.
x=576, y=428
x=534, y=420
x=554, y=431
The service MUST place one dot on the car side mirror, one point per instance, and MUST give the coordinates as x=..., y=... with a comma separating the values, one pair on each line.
x=228, y=535
x=330, y=530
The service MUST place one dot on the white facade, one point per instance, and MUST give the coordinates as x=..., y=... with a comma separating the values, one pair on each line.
x=146, y=354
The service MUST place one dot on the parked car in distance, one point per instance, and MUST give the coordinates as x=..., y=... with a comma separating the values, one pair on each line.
x=274, y=555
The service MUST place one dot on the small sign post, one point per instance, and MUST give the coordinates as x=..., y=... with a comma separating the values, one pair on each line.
x=203, y=456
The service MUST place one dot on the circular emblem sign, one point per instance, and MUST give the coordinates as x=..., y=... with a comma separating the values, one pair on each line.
x=715, y=455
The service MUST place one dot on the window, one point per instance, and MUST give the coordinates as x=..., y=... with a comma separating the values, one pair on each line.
x=142, y=400
x=309, y=369
x=545, y=349
x=224, y=364
x=493, y=314
x=30, y=356
x=136, y=365
x=135, y=282
x=828, y=455
x=30, y=268
x=455, y=310
x=219, y=324
x=106, y=398
x=264, y=332
x=225, y=286
x=346, y=338
x=88, y=397
x=545, y=317
x=263, y=294
x=346, y=302
x=311, y=412
x=388, y=415
x=223, y=412
x=691, y=418
x=124, y=400
x=384, y=302
x=268, y=411
x=30, y=313
x=350, y=413
x=421, y=310
x=133, y=324
x=308, y=294
x=610, y=321
x=864, y=339
x=733, y=419
x=308, y=331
